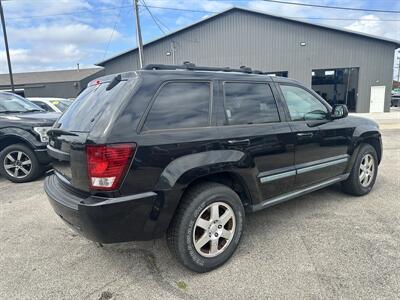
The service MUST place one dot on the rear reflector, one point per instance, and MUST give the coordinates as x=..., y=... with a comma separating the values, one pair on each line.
x=107, y=164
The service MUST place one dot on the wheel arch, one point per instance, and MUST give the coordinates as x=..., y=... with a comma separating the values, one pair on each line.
x=229, y=179
x=11, y=139
x=376, y=143
x=374, y=139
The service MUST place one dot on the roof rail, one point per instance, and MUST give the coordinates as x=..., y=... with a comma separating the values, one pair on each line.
x=192, y=67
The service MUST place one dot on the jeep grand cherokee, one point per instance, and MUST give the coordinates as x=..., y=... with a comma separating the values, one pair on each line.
x=185, y=151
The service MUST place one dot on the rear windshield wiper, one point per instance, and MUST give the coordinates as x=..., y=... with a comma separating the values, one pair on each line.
x=117, y=79
x=11, y=111
x=56, y=131
x=33, y=110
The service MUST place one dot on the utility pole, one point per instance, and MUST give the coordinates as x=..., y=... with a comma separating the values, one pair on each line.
x=138, y=34
x=3, y=23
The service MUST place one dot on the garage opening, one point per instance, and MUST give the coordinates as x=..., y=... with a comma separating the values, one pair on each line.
x=337, y=86
x=278, y=73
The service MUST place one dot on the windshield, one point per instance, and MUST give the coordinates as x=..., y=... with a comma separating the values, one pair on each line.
x=14, y=103
x=90, y=105
x=61, y=104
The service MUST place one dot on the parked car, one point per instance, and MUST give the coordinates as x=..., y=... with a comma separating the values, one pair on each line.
x=51, y=104
x=395, y=101
x=185, y=151
x=23, y=138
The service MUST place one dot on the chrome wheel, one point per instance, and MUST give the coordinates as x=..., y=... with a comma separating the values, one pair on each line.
x=367, y=170
x=17, y=164
x=214, y=229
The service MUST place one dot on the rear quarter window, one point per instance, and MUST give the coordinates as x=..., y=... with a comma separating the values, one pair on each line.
x=180, y=105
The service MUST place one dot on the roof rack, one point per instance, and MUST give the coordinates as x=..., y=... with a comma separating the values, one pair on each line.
x=192, y=67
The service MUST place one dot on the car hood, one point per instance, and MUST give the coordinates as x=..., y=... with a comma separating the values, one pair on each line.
x=34, y=118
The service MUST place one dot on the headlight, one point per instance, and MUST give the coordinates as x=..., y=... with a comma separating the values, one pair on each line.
x=42, y=131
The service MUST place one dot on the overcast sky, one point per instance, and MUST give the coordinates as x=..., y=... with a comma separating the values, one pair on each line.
x=57, y=34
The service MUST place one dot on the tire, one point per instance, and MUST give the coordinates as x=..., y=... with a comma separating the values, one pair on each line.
x=185, y=231
x=354, y=185
x=26, y=171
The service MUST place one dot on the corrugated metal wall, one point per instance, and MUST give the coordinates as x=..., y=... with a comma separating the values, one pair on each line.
x=266, y=43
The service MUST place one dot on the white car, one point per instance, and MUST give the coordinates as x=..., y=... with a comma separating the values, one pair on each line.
x=51, y=104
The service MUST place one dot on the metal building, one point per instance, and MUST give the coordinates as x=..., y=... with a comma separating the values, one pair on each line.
x=60, y=84
x=342, y=66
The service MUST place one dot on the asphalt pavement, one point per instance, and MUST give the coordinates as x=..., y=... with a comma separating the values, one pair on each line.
x=325, y=245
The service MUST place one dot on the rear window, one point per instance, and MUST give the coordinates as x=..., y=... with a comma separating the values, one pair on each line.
x=180, y=105
x=61, y=104
x=94, y=101
x=249, y=103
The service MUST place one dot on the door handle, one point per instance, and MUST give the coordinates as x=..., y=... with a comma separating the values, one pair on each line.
x=305, y=134
x=235, y=142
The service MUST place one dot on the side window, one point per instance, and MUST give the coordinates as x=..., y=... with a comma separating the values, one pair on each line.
x=180, y=105
x=43, y=105
x=249, y=103
x=303, y=105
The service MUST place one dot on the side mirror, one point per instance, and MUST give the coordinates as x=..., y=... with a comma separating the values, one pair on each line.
x=339, y=111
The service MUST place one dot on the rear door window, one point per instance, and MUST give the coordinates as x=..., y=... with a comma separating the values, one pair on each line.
x=180, y=105
x=249, y=103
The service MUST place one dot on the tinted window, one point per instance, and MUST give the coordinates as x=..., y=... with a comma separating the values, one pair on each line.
x=61, y=104
x=94, y=103
x=302, y=104
x=180, y=105
x=43, y=105
x=249, y=103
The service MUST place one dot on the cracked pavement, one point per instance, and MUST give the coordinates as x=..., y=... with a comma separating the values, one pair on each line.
x=322, y=245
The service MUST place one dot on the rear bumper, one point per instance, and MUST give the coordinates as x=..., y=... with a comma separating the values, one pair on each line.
x=105, y=220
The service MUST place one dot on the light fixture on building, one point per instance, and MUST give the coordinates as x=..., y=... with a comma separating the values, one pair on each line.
x=168, y=53
x=303, y=44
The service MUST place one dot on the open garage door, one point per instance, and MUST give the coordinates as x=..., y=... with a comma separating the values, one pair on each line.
x=337, y=86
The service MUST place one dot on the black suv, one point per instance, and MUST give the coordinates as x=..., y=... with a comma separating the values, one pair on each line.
x=23, y=138
x=186, y=151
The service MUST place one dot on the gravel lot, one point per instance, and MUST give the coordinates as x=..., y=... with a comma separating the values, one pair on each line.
x=323, y=245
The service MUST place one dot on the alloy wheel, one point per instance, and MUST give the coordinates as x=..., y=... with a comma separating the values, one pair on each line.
x=367, y=169
x=214, y=229
x=17, y=164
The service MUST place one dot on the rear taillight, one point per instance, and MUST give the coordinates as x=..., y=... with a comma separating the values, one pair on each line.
x=107, y=164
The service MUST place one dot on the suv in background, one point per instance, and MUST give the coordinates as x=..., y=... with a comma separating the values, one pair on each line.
x=186, y=151
x=23, y=138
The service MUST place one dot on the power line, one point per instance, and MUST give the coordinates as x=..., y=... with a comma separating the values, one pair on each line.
x=113, y=31
x=334, y=7
x=72, y=13
x=159, y=20
x=193, y=10
x=289, y=17
x=154, y=19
